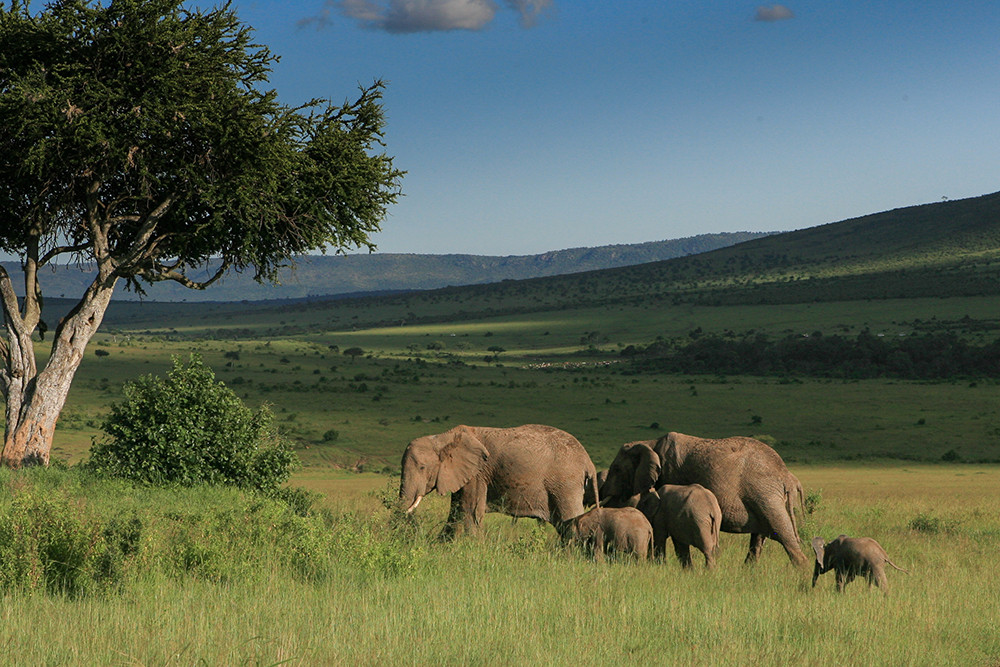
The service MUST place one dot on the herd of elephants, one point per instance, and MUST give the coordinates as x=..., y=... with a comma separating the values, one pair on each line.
x=680, y=487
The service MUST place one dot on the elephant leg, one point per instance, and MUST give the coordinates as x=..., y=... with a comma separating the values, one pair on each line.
x=709, y=556
x=774, y=515
x=564, y=505
x=756, y=546
x=659, y=543
x=473, y=505
x=683, y=552
x=878, y=576
x=841, y=580
x=455, y=513
x=599, y=546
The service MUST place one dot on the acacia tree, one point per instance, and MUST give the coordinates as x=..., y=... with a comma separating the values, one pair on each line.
x=138, y=137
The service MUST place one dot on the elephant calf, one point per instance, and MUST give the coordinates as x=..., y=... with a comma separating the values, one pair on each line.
x=689, y=515
x=850, y=557
x=618, y=530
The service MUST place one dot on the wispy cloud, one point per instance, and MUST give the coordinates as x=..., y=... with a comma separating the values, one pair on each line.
x=406, y=16
x=773, y=13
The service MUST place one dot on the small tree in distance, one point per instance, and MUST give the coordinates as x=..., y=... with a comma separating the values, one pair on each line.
x=137, y=137
x=353, y=352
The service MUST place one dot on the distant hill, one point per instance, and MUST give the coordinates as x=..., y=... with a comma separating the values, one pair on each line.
x=940, y=250
x=935, y=250
x=387, y=272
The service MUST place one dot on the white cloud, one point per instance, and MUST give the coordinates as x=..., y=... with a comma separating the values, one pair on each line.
x=406, y=16
x=773, y=13
x=529, y=10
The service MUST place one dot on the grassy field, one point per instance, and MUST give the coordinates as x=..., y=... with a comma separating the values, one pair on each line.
x=223, y=579
x=516, y=596
x=343, y=411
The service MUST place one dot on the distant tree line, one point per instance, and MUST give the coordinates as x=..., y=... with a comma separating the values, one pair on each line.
x=930, y=356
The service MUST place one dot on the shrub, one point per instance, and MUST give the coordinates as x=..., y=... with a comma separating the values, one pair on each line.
x=926, y=523
x=187, y=429
x=812, y=501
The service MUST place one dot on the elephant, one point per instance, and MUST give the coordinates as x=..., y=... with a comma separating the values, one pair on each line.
x=689, y=515
x=589, y=495
x=795, y=500
x=620, y=531
x=525, y=471
x=852, y=556
x=748, y=478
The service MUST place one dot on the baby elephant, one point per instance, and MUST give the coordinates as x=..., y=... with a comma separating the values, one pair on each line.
x=689, y=515
x=619, y=530
x=850, y=557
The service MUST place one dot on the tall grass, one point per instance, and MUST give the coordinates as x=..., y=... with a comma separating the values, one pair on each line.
x=390, y=593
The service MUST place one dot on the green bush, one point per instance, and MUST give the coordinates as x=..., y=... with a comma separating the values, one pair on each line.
x=69, y=532
x=188, y=429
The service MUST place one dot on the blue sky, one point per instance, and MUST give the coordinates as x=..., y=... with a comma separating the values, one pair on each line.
x=534, y=125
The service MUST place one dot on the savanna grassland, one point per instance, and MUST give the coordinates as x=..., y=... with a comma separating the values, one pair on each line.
x=218, y=578
x=361, y=586
x=213, y=576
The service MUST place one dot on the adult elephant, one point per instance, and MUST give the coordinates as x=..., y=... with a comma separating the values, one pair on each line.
x=748, y=478
x=526, y=471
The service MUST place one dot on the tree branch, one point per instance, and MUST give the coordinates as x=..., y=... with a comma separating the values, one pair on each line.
x=61, y=250
x=141, y=247
x=170, y=273
x=11, y=308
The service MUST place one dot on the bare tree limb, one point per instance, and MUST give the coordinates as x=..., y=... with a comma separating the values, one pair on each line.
x=170, y=273
x=10, y=305
x=61, y=250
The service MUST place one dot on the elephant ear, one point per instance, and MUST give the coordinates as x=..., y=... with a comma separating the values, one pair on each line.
x=819, y=546
x=649, y=503
x=671, y=449
x=647, y=467
x=461, y=459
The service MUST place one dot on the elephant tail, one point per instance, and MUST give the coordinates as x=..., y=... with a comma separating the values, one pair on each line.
x=790, y=508
x=591, y=480
x=714, y=526
x=896, y=566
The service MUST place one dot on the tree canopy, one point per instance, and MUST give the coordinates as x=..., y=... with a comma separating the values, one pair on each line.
x=140, y=133
x=139, y=137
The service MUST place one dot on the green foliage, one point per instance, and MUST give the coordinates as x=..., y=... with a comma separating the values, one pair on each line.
x=928, y=523
x=916, y=356
x=69, y=532
x=813, y=501
x=951, y=456
x=155, y=118
x=188, y=429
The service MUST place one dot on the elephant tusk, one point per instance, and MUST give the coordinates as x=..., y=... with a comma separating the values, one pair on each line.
x=412, y=507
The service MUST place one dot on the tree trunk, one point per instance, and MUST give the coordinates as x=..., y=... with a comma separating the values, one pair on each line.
x=35, y=401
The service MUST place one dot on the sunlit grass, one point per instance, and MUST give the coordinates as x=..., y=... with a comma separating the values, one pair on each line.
x=516, y=596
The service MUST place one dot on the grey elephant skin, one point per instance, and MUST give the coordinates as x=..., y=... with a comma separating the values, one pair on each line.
x=590, y=494
x=851, y=557
x=526, y=471
x=689, y=515
x=620, y=531
x=749, y=480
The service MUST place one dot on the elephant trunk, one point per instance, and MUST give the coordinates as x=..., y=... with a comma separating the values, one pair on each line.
x=410, y=493
x=413, y=505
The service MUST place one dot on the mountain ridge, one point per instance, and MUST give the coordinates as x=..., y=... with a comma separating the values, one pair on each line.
x=314, y=276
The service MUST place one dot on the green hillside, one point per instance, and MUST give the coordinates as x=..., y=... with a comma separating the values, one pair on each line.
x=948, y=249
x=905, y=303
